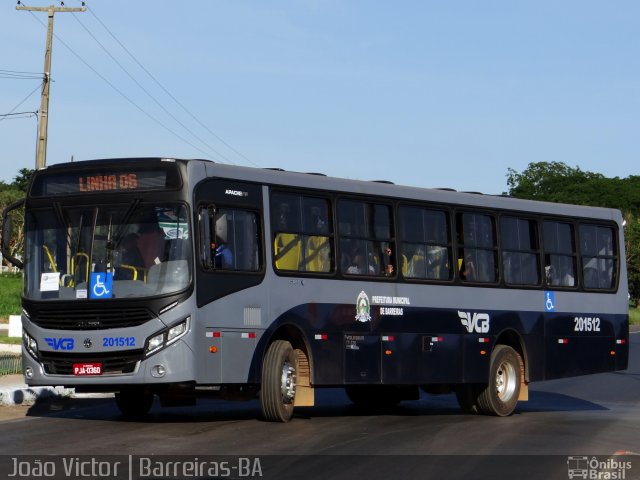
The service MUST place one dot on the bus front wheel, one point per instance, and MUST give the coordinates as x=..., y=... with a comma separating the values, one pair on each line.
x=278, y=389
x=500, y=396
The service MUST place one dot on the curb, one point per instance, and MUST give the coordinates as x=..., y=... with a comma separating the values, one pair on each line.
x=31, y=395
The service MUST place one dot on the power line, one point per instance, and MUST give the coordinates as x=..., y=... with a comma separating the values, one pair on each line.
x=17, y=71
x=13, y=74
x=221, y=140
x=21, y=102
x=147, y=92
x=43, y=117
x=104, y=79
x=12, y=116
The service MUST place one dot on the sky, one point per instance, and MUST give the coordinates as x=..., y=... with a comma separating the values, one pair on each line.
x=418, y=92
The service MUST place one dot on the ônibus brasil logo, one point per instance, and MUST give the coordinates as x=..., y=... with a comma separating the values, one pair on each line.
x=476, y=322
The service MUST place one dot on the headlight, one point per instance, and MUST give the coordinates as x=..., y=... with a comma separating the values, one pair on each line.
x=166, y=337
x=176, y=332
x=155, y=343
x=30, y=344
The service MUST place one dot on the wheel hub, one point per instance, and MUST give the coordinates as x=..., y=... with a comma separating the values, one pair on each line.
x=288, y=383
x=505, y=381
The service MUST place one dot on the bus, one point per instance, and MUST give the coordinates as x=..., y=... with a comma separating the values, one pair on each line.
x=179, y=278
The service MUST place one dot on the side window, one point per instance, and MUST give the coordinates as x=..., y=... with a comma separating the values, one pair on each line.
x=559, y=254
x=366, y=243
x=520, y=251
x=425, y=248
x=302, y=233
x=477, y=250
x=229, y=239
x=598, y=256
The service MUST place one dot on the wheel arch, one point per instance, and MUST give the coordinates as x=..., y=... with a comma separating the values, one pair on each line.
x=293, y=334
x=513, y=339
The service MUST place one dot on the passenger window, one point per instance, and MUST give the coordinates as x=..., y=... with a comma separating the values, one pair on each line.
x=598, y=259
x=559, y=254
x=366, y=243
x=229, y=239
x=425, y=248
x=302, y=233
x=477, y=250
x=520, y=251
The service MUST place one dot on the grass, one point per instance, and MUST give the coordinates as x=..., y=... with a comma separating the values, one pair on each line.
x=634, y=316
x=10, y=290
x=10, y=340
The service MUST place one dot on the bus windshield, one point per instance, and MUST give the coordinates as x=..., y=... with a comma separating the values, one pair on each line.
x=102, y=252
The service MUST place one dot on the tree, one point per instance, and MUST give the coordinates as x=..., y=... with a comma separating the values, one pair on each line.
x=558, y=182
x=10, y=193
x=632, y=245
x=21, y=180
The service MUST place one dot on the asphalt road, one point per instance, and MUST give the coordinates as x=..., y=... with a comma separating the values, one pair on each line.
x=592, y=417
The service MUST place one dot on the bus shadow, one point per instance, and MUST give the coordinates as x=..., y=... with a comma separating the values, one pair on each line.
x=540, y=401
x=329, y=403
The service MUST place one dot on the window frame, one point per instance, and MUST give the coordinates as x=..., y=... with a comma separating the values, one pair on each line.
x=536, y=251
x=369, y=238
x=212, y=209
x=614, y=256
x=461, y=246
x=403, y=241
x=304, y=235
x=547, y=253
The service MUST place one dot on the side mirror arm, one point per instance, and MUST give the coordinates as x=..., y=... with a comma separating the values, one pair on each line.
x=7, y=227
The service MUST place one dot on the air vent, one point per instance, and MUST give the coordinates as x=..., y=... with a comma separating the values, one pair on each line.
x=90, y=318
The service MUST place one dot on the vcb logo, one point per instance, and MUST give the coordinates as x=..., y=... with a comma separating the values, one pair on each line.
x=478, y=322
x=60, y=343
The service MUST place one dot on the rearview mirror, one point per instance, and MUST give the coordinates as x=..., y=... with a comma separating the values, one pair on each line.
x=12, y=238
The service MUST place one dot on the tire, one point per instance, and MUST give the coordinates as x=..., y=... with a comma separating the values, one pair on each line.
x=467, y=397
x=278, y=390
x=500, y=396
x=134, y=402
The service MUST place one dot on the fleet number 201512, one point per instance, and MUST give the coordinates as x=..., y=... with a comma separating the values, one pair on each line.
x=586, y=324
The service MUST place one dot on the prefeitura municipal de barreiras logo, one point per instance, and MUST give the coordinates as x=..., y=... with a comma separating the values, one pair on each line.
x=363, y=308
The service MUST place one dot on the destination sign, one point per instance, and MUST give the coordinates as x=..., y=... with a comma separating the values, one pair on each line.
x=103, y=180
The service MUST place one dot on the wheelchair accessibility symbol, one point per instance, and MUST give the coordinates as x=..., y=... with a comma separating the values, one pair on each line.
x=549, y=302
x=101, y=285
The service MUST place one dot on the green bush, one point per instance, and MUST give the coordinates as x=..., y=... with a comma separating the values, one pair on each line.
x=10, y=290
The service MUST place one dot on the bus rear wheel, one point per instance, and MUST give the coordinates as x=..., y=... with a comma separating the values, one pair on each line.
x=278, y=390
x=500, y=396
x=134, y=402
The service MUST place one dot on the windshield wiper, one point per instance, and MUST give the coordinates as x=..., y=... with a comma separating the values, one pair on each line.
x=60, y=215
x=124, y=224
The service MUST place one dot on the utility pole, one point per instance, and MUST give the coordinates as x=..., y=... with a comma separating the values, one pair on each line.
x=43, y=117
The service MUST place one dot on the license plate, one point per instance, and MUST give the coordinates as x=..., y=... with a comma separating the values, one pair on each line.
x=82, y=369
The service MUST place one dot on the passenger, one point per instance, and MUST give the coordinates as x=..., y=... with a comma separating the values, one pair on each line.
x=130, y=260
x=151, y=243
x=222, y=254
x=468, y=270
x=387, y=261
x=357, y=265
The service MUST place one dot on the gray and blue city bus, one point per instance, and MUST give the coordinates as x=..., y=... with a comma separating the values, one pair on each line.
x=174, y=278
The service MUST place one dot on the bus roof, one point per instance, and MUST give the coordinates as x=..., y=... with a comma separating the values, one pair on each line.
x=382, y=188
